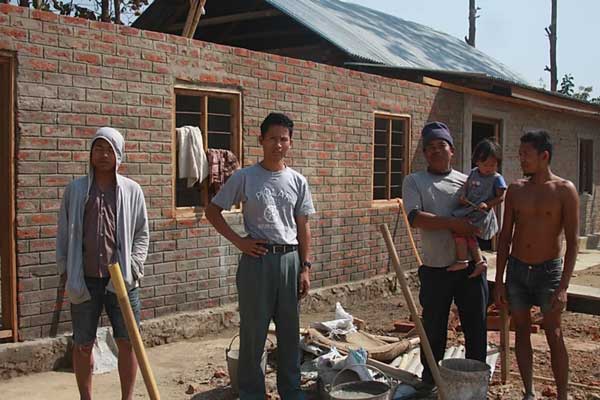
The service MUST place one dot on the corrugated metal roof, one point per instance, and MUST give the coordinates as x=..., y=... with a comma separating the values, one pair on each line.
x=411, y=361
x=382, y=38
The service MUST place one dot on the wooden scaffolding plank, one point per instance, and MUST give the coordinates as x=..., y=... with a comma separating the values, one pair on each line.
x=7, y=207
x=193, y=18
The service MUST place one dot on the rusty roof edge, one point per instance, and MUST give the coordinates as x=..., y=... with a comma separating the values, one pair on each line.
x=591, y=108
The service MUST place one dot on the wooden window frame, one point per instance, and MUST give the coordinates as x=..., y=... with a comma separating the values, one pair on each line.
x=9, y=328
x=197, y=212
x=391, y=202
x=590, y=175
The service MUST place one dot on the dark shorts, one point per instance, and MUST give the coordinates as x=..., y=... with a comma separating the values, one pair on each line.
x=528, y=285
x=85, y=316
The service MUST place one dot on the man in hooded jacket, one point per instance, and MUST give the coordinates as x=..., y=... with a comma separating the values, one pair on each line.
x=102, y=220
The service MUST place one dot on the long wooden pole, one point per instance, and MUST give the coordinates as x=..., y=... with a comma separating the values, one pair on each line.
x=426, y=347
x=504, y=344
x=409, y=232
x=132, y=329
x=190, y=17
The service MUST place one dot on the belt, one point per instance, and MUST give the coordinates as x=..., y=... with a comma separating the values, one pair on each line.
x=281, y=248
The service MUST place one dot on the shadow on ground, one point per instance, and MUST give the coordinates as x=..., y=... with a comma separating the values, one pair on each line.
x=220, y=393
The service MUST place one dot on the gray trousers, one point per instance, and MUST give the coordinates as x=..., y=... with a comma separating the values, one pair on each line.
x=268, y=289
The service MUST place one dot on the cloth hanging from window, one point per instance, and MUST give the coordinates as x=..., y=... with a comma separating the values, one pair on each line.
x=221, y=164
x=192, y=161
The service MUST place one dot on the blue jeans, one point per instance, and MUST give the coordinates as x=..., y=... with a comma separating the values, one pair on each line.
x=528, y=285
x=85, y=316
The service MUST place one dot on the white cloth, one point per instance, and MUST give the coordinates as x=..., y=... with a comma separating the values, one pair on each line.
x=192, y=161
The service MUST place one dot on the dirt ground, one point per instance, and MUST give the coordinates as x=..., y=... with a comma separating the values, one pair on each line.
x=196, y=370
x=587, y=277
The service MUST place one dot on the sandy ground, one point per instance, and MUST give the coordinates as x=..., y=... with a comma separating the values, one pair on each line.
x=196, y=370
x=587, y=277
x=191, y=370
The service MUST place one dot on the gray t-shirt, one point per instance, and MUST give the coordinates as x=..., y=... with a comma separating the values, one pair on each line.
x=438, y=195
x=271, y=201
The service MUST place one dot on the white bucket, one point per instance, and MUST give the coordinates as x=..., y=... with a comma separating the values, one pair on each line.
x=465, y=379
x=232, y=356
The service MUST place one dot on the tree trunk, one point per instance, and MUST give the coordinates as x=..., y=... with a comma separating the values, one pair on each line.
x=551, y=31
x=472, y=22
x=105, y=11
x=117, y=4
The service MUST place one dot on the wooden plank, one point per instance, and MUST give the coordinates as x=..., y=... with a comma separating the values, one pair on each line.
x=584, y=292
x=388, y=188
x=197, y=16
x=174, y=160
x=247, y=16
x=504, y=345
x=546, y=98
x=193, y=17
x=7, y=207
x=227, y=19
x=204, y=128
x=6, y=334
x=407, y=147
x=517, y=98
x=190, y=18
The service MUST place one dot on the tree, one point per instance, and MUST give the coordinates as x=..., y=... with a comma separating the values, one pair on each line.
x=472, y=22
x=103, y=10
x=551, y=32
x=567, y=87
x=117, y=8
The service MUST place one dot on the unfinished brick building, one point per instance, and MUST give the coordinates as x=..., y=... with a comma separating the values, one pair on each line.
x=357, y=135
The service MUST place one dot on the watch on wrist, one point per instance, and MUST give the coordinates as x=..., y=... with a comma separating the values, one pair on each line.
x=306, y=264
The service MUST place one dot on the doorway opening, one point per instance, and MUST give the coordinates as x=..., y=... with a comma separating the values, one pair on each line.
x=486, y=128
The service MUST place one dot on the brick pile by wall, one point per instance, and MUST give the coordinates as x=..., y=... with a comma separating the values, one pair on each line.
x=76, y=75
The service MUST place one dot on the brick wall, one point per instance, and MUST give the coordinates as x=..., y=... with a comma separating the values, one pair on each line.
x=75, y=75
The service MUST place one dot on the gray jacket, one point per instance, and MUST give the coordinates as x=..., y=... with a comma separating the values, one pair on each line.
x=133, y=235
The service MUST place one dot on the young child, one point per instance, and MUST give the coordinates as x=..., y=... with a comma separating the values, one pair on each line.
x=483, y=191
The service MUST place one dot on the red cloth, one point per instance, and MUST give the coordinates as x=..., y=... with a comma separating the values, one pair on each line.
x=221, y=165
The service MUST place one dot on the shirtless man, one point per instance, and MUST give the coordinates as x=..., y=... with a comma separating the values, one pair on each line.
x=539, y=209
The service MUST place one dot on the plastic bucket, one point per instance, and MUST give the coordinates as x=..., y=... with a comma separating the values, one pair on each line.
x=232, y=357
x=465, y=379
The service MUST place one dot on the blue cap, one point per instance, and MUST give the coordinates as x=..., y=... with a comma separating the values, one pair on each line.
x=436, y=130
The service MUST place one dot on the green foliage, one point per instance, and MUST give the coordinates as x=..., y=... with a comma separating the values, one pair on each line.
x=567, y=84
x=583, y=93
x=90, y=9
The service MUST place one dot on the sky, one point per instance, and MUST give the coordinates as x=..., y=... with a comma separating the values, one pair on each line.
x=512, y=32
